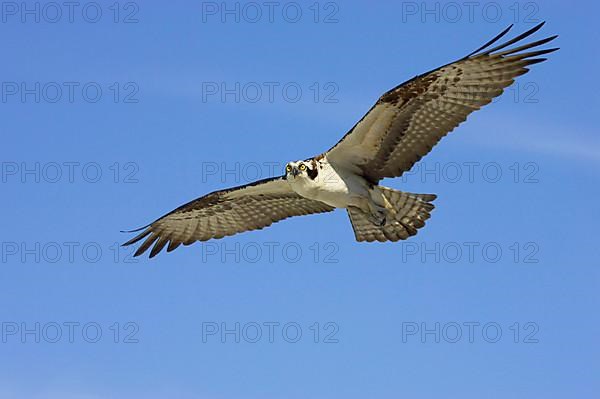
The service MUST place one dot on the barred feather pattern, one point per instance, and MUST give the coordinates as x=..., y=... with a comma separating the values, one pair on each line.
x=410, y=213
x=224, y=213
x=409, y=120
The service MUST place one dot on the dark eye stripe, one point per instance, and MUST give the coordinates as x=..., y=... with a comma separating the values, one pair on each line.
x=312, y=173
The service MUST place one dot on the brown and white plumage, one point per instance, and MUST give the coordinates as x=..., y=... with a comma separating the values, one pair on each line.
x=403, y=126
x=407, y=121
x=224, y=213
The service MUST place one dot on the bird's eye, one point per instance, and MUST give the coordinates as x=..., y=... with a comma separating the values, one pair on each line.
x=288, y=168
x=302, y=167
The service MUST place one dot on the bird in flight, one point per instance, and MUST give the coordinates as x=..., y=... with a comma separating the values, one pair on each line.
x=403, y=126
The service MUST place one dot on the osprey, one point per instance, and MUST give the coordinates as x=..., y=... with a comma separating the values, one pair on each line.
x=403, y=126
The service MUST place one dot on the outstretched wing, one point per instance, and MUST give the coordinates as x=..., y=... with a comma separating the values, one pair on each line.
x=407, y=121
x=224, y=213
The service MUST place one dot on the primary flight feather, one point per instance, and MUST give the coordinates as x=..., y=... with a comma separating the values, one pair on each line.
x=403, y=126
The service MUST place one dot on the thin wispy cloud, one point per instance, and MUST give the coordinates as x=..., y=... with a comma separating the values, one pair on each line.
x=565, y=142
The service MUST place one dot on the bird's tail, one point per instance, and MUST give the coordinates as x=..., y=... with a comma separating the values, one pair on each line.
x=406, y=212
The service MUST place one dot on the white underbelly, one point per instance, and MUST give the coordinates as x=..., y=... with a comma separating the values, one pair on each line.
x=334, y=190
x=338, y=199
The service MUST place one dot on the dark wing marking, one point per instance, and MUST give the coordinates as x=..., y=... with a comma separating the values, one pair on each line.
x=407, y=121
x=224, y=213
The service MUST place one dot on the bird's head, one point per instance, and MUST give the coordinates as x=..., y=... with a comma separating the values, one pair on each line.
x=301, y=169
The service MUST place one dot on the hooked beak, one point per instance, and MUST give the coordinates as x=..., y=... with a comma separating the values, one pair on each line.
x=295, y=171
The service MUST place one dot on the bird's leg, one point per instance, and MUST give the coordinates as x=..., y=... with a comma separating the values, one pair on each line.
x=377, y=216
x=376, y=213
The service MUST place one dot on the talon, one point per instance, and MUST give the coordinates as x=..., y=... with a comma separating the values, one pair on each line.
x=378, y=219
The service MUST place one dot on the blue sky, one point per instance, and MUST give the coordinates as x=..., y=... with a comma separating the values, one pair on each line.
x=107, y=125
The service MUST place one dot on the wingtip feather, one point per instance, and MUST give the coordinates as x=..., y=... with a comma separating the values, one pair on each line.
x=492, y=41
x=160, y=244
x=137, y=238
x=135, y=230
x=146, y=244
